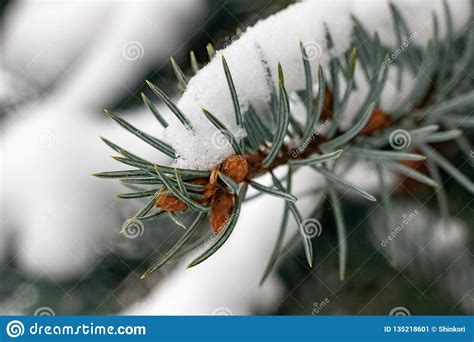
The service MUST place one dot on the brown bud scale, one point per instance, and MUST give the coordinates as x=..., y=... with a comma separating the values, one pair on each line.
x=222, y=206
x=377, y=121
x=235, y=167
x=170, y=203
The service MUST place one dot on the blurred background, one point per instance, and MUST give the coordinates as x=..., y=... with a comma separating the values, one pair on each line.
x=62, y=63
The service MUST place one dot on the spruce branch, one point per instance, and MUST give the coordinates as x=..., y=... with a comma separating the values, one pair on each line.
x=390, y=140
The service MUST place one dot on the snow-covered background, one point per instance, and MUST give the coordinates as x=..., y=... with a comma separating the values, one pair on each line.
x=63, y=62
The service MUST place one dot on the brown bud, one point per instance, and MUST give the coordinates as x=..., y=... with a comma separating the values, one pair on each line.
x=235, y=167
x=213, y=176
x=170, y=203
x=222, y=205
x=209, y=191
x=327, y=105
x=199, y=181
x=255, y=163
x=377, y=121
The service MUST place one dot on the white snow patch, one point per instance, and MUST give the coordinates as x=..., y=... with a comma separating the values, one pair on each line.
x=277, y=40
